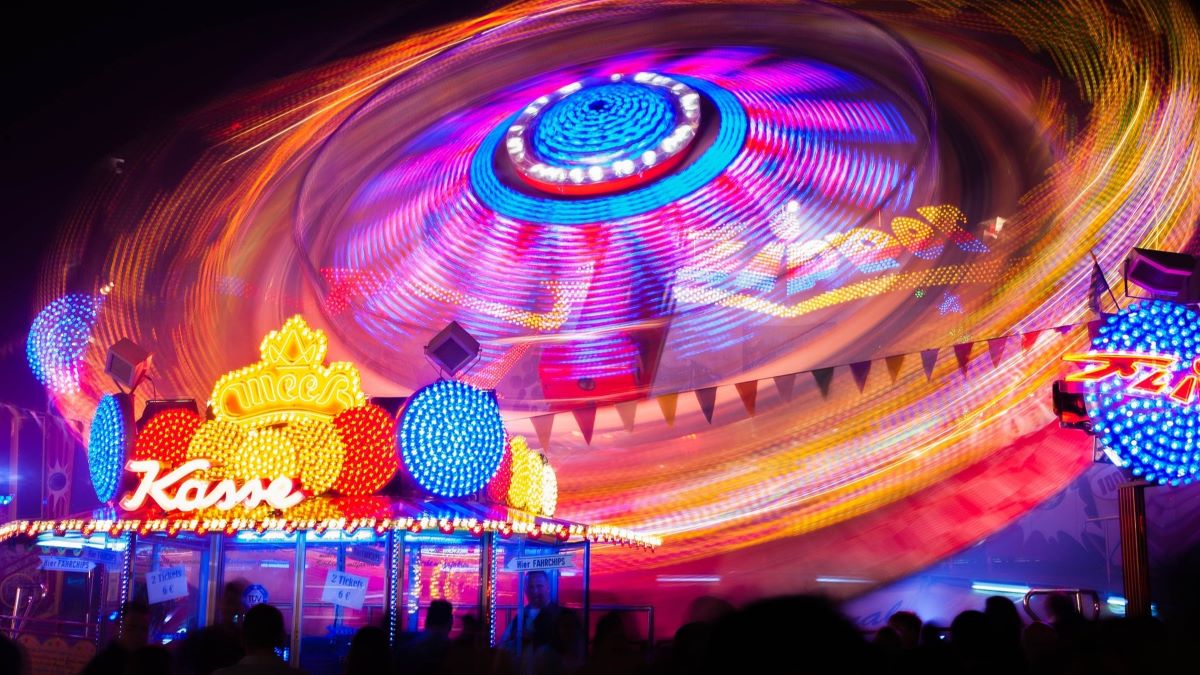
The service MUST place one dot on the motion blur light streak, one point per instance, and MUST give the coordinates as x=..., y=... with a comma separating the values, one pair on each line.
x=355, y=190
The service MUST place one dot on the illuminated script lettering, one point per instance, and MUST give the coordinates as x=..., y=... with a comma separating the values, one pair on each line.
x=174, y=491
x=289, y=382
x=1149, y=374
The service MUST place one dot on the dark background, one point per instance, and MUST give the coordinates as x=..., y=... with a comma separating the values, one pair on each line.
x=81, y=80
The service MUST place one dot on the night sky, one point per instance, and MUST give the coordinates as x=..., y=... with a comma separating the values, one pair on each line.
x=81, y=83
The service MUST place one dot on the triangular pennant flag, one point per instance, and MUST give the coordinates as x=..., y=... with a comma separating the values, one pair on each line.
x=962, y=352
x=928, y=359
x=1063, y=330
x=860, y=370
x=707, y=398
x=585, y=417
x=543, y=424
x=894, y=363
x=1028, y=339
x=823, y=376
x=666, y=403
x=628, y=411
x=996, y=349
x=749, y=393
x=784, y=383
x=1093, y=328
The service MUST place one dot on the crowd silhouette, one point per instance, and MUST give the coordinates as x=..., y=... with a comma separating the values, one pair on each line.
x=788, y=634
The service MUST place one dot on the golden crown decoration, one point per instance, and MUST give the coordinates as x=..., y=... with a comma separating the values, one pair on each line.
x=289, y=383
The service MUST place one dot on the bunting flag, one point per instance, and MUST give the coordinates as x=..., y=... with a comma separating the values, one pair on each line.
x=628, y=411
x=996, y=349
x=823, y=376
x=784, y=383
x=543, y=424
x=928, y=359
x=707, y=398
x=894, y=363
x=860, y=370
x=585, y=417
x=666, y=403
x=749, y=393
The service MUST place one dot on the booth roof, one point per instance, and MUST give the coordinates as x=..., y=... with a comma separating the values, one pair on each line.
x=380, y=514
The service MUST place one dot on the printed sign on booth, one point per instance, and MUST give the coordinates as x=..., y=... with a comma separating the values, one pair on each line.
x=166, y=583
x=344, y=590
x=540, y=562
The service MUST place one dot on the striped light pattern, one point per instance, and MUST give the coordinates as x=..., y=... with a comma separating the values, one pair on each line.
x=899, y=475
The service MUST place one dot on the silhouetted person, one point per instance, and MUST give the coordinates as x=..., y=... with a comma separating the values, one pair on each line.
x=563, y=653
x=150, y=660
x=908, y=626
x=262, y=634
x=218, y=645
x=691, y=642
x=427, y=653
x=537, y=628
x=1004, y=630
x=135, y=633
x=12, y=657
x=791, y=634
x=969, y=643
x=369, y=653
x=612, y=649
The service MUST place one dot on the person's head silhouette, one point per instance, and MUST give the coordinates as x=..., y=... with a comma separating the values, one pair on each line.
x=537, y=589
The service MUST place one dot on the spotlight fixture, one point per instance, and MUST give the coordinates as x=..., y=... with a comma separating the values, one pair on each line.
x=127, y=363
x=1164, y=274
x=452, y=350
x=1070, y=408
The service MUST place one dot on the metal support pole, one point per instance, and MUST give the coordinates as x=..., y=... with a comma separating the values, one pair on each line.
x=395, y=583
x=487, y=585
x=298, y=599
x=1135, y=555
x=212, y=577
x=126, y=580
x=587, y=597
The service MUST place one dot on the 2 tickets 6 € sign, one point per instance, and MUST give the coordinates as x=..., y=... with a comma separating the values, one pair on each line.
x=166, y=583
x=344, y=590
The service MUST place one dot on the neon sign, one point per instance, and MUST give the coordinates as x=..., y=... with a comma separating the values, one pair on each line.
x=289, y=382
x=194, y=494
x=1151, y=374
x=1140, y=382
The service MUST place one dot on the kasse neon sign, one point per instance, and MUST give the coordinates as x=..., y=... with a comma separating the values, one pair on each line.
x=193, y=494
x=1150, y=373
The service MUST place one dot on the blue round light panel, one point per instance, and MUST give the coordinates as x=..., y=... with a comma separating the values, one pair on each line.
x=108, y=443
x=452, y=438
x=1154, y=435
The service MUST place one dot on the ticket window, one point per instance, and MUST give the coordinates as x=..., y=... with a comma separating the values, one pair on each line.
x=565, y=579
x=345, y=588
x=74, y=591
x=170, y=575
x=440, y=568
x=262, y=569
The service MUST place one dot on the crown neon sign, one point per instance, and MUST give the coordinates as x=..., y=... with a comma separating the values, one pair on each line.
x=289, y=382
x=1149, y=373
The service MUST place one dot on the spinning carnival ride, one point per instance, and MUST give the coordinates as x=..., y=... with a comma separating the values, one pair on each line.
x=629, y=203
